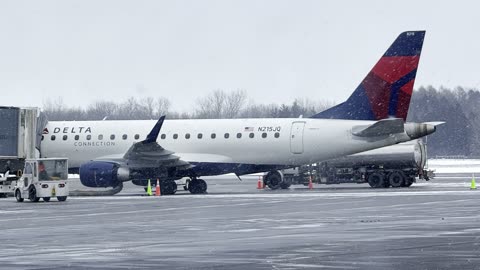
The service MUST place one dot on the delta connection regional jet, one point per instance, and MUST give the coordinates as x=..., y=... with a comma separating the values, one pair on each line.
x=108, y=153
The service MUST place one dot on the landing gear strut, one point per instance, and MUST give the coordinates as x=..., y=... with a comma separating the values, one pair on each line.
x=197, y=186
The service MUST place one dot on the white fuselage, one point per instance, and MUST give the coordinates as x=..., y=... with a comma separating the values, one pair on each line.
x=298, y=141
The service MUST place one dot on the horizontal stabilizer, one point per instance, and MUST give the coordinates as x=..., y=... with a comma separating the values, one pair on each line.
x=381, y=128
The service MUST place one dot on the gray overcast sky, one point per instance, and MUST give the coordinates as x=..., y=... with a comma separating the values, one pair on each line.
x=276, y=50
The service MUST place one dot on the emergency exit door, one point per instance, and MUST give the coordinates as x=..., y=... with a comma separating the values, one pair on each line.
x=296, y=137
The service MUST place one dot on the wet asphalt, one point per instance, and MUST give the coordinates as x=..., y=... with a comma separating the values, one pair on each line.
x=434, y=225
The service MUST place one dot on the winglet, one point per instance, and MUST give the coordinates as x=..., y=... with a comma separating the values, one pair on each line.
x=153, y=135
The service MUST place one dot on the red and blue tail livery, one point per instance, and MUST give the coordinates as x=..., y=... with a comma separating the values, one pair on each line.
x=386, y=90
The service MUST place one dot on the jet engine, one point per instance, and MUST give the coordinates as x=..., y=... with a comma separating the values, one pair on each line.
x=103, y=174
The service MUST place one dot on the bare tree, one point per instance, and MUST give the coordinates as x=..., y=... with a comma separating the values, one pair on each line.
x=234, y=103
x=162, y=106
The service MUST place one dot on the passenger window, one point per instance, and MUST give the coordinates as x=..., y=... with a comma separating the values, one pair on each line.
x=137, y=136
x=264, y=135
x=277, y=134
x=89, y=137
x=53, y=138
x=65, y=137
x=42, y=137
x=77, y=137
x=239, y=135
x=125, y=136
x=163, y=136
x=175, y=136
x=251, y=135
x=100, y=137
x=213, y=136
x=226, y=135
x=187, y=136
x=112, y=137
x=199, y=135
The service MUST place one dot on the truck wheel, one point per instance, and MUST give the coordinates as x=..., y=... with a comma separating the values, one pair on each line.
x=408, y=182
x=18, y=196
x=376, y=180
x=32, y=194
x=396, y=179
x=46, y=199
x=62, y=198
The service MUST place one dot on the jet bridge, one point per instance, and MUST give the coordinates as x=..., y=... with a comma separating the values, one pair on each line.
x=20, y=136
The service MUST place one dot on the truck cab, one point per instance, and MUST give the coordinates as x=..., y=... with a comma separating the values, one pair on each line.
x=43, y=178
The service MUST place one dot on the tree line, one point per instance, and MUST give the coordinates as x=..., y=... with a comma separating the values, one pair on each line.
x=457, y=107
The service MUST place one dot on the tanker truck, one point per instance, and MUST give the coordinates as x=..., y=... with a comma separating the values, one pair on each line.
x=393, y=166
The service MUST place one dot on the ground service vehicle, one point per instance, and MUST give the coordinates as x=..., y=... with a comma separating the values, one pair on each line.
x=43, y=178
x=396, y=166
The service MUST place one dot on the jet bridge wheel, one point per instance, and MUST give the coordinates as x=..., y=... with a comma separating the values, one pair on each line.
x=197, y=186
x=377, y=180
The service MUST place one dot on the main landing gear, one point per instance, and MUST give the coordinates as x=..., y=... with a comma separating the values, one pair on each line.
x=196, y=186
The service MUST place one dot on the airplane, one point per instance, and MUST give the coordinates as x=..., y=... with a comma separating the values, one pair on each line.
x=108, y=153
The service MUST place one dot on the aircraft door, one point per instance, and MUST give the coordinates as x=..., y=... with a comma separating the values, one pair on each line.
x=296, y=137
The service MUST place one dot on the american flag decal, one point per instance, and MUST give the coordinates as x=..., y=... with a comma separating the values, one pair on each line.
x=248, y=129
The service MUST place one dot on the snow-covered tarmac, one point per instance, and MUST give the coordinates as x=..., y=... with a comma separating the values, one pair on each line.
x=432, y=225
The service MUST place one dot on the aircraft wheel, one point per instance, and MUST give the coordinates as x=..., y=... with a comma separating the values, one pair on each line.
x=197, y=186
x=46, y=199
x=168, y=187
x=32, y=194
x=376, y=180
x=18, y=196
x=396, y=179
x=273, y=180
x=62, y=198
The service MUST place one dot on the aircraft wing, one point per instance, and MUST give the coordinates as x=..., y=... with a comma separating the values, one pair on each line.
x=148, y=153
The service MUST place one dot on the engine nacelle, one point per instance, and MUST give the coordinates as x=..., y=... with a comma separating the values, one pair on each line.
x=103, y=174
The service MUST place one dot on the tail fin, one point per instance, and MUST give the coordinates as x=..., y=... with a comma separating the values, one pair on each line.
x=386, y=90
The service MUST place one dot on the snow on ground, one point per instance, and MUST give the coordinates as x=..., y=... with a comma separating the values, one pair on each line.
x=455, y=165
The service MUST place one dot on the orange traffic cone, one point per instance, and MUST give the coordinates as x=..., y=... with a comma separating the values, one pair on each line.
x=310, y=184
x=260, y=183
x=157, y=188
